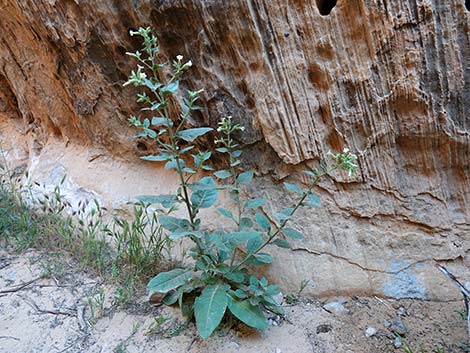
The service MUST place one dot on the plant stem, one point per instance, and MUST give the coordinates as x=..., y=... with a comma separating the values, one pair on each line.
x=284, y=223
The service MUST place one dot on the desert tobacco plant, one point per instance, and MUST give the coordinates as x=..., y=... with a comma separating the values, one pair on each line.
x=220, y=280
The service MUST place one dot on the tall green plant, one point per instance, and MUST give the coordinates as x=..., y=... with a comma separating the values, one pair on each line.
x=220, y=280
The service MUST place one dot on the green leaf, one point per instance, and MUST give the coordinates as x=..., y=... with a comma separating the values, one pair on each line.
x=255, y=203
x=156, y=157
x=292, y=233
x=173, y=164
x=174, y=224
x=161, y=121
x=313, y=200
x=310, y=173
x=167, y=281
x=222, y=174
x=178, y=235
x=245, y=177
x=282, y=243
x=190, y=135
x=222, y=149
x=226, y=213
x=285, y=214
x=157, y=106
x=263, y=222
x=165, y=200
x=209, y=308
x=237, y=276
x=204, y=193
x=259, y=259
x=293, y=188
x=246, y=223
x=254, y=244
x=172, y=297
x=240, y=237
x=247, y=313
x=170, y=88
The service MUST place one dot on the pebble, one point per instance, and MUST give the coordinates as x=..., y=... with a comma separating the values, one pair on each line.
x=399, y=327
x=335, y=307
x=397, y=342
x=370, y=331
x=401, y=311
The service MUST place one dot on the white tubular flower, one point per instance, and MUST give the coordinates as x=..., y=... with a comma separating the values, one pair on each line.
x=179, y=57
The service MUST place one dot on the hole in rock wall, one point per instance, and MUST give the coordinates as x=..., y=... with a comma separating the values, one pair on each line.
x=325, y=6
x=467, y=5
x=141, y=146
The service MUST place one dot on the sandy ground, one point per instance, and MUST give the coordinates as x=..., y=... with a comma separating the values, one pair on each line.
x=44, y=307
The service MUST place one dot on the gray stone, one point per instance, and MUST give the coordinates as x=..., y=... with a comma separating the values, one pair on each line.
x=397, y=343
x=335, y=308
x=370, y=331
x=398, y=327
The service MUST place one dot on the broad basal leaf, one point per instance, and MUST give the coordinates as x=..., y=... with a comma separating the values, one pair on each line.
x=209, y=308
x=167, y=281
x=247, y=313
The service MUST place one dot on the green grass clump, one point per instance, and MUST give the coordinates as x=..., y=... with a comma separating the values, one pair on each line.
x=127, y=251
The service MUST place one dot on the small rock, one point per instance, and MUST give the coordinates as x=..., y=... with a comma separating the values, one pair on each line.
x=387, y=323
x=401, y=311
x=335, y=307
x=397, y=342
x=272, y=322
x=370, y=331
x=278, y=350
x=399, y=327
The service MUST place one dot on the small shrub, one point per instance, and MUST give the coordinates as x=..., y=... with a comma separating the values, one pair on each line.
x=221, y=280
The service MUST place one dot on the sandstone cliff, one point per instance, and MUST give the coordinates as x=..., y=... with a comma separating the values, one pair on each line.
x=389, y=79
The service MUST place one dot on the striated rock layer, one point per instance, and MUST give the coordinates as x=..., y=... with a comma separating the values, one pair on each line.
x=389, y=79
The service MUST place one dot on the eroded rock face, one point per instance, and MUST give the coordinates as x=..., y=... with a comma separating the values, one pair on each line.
x=388, y=79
